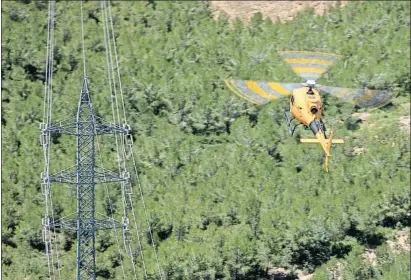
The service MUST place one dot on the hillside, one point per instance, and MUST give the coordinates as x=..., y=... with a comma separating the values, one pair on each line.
x=230, y=195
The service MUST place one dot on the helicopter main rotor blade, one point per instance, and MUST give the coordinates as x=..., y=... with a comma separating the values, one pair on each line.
x=260, y=92
x=362, y=98
x=309, y=65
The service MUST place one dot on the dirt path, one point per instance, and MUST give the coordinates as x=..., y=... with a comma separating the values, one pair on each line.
x=405, y=123
x=276, y=10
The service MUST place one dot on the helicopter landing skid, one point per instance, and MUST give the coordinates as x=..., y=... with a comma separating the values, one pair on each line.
x=288, y=121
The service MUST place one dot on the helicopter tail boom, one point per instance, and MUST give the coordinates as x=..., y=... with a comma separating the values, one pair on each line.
x=322, y=140
x=333, y=141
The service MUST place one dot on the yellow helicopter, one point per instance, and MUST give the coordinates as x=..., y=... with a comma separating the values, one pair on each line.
x=305, y=101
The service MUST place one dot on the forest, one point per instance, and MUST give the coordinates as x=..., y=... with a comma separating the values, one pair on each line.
x=229, y=193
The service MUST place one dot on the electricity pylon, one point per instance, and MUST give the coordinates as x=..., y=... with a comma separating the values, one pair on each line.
x=83, y=176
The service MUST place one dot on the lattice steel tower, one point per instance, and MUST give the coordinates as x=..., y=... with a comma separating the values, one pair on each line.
x=84, y=175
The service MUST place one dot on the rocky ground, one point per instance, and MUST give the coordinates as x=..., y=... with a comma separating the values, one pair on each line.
x=278, y=11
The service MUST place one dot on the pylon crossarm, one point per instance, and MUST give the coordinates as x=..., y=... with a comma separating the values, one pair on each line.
x=104, y=127
x=101, y=175
x=68, y=127
x=71, y=224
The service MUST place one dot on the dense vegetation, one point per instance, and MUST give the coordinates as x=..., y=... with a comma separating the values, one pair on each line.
x=230, y=193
